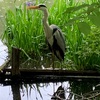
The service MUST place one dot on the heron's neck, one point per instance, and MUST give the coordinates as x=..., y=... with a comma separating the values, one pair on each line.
x=45, y=18
x=47, y=28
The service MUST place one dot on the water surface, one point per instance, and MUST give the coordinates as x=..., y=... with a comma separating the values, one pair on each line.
x=39, y=91
x=3, y=53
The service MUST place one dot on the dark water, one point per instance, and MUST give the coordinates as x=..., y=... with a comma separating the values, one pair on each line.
x=73, y=90
x=39, y=91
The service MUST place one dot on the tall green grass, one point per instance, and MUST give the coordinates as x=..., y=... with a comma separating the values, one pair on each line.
x=24, y=30
x=79, y=22
x=83, y=29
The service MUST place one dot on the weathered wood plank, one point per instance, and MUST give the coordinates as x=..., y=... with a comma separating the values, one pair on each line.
x=37, y=76
x=15, y=61
x=16, y=91
x=56, y=72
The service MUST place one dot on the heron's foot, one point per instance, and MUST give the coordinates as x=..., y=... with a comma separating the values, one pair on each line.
x=52, y=66
x=61, y=68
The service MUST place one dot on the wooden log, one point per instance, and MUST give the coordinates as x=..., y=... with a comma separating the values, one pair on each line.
x=33, y=76
x=33, y=72
x=16, y=91
x=15, y=61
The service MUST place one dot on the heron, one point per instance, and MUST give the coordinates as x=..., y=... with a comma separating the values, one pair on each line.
x=53, y=34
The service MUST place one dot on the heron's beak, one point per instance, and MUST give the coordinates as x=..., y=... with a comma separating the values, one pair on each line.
x=32, y=7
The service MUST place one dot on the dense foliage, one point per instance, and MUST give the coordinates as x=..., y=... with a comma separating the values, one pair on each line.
x=79, y=21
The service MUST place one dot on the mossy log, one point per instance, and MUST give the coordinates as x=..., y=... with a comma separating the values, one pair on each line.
x=35, y=76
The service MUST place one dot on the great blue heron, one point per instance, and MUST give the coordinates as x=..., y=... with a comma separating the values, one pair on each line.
x=53, y=34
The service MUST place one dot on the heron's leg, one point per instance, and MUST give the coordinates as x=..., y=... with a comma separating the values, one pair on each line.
x=53, y=58
x=61, y=65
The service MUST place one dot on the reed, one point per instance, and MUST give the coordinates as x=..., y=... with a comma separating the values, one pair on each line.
x=24, y=30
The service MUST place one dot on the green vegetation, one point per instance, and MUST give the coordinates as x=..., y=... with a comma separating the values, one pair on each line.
x=79, y=22
x=24, y=30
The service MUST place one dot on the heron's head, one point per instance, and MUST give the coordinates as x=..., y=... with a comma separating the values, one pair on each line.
x=39, y=7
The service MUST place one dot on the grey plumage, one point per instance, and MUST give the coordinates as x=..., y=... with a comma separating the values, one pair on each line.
x=58, y=42
x=53, y=34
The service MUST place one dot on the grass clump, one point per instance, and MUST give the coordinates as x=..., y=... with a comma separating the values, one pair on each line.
x=89, y=53
x=24, y=31
x=83, y=33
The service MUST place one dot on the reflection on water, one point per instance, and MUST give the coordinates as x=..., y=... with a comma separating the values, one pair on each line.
x=3, y=53
x=84, y=90
x=73, y=90
x=42, y=91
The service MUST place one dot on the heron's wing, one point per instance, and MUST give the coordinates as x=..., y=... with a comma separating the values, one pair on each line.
x=59, y=37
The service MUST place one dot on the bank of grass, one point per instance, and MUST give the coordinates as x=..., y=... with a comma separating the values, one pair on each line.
x=24, y=30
